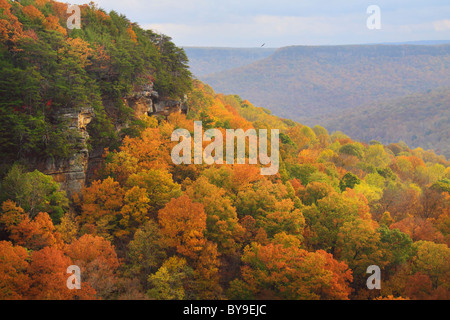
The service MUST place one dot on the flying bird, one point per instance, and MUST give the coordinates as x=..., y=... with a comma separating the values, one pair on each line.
x=263, y=45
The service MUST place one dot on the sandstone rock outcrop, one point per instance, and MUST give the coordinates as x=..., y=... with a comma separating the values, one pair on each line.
x=73, y=172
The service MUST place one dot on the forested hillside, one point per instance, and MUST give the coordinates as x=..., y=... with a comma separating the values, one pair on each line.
x=46, y=68
x=420, y=120
x=302, y=82
x=145, y=228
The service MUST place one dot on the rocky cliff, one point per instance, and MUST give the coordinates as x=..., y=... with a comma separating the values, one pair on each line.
x=146, y=101
x=73, y=173
x=70, y=172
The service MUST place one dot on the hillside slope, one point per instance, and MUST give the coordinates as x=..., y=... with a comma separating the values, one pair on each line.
x=65, y=95
x=420, y=120
x=301, y=82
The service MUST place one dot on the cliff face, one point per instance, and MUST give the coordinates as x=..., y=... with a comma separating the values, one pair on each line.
x=148, y=102
x=72, y=173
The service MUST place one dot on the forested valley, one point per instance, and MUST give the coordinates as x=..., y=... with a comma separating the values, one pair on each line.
x=144, y=228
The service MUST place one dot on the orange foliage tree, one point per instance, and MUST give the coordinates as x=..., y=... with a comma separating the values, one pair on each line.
x=132, y=34
x=48, y=273
x=98, y=262
x=52, y=23
x=14, y=281
x=10, y=27
x=150, y=149
x=183, y=224
x=275, y=271
x=33, y=13
x=32, y=234
x=108, y=209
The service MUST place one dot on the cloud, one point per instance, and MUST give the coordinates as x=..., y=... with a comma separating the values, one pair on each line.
x=295, y=25
x=442, y=25
x=248, y=32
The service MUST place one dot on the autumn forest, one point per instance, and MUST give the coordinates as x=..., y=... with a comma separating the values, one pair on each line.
x=141, y=227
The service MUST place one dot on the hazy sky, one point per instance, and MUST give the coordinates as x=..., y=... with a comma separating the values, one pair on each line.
x=250, y=23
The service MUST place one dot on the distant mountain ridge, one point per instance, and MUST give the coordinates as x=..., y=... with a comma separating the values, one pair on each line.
x=302, y=82
x=208, y=60
x=422, y=42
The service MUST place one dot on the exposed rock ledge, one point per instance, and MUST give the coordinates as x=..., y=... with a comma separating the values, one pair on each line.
x=72, y=173
x=148, y=102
